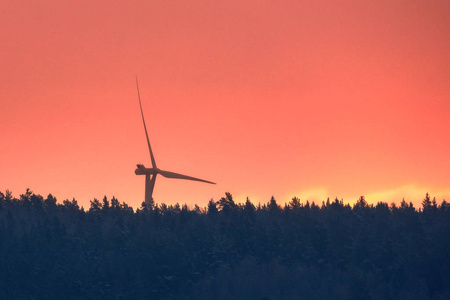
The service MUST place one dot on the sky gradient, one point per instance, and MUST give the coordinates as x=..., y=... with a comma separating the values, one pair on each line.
x=312, y=99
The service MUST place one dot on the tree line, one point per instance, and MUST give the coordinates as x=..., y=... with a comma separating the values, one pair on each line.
x=226, y=250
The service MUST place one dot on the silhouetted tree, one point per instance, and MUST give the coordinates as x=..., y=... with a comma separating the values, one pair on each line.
x=197, y=209
x=361, y=203
x=295, y=204
x=25, y=198
x=71, y=205
x=426, y=203
x=226, y=204
x=382, y=207
x=307, y=206
x=105, y=204
x=445, y=206
x=96, y=206
x=115, y=204
x=50, y=202
x=272, y=205
x=249, y=207
x=212, y=208
x=8, y=196
x=37, y=201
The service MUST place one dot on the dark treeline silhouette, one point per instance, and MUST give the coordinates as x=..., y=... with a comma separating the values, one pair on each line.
x=51, y=250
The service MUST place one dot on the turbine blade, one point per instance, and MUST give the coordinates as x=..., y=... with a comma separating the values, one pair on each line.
x=180, y=176
x=145, y=127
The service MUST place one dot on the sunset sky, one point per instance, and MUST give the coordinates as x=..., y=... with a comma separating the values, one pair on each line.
x=303, y=98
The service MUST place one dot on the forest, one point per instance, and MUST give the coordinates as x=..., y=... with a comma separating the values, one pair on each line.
x=226, y=250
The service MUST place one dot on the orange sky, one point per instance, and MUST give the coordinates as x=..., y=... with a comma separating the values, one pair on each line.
x=312, y=99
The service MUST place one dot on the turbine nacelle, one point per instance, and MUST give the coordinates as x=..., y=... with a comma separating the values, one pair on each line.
x=141, y=170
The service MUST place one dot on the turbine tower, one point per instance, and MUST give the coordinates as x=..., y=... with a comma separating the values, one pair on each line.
x=153, y=171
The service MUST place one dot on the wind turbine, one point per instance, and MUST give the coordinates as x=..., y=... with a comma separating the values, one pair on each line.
x=153, y=171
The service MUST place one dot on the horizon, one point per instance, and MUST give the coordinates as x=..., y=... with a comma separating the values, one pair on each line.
x=418, y=205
